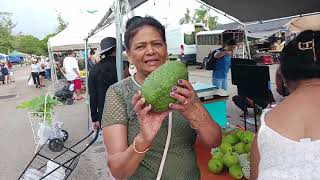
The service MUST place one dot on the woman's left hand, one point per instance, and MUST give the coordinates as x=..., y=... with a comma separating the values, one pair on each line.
x=185, y=95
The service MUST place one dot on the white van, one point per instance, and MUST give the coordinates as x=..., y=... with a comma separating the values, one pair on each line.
x=181, y=42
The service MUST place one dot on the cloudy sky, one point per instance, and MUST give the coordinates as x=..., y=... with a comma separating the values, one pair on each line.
x=39, y=17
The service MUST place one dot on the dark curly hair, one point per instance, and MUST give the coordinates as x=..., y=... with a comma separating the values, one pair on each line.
x=300, y=59
x=134, y=24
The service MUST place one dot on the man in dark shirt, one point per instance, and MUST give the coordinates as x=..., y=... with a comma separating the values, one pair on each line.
x=101, y=76
x=90, y=62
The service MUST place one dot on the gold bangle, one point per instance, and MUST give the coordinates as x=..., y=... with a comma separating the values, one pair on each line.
x=134, y=147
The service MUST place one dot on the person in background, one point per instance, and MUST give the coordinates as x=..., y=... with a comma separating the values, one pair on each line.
x=222, y=66
x=5, y=71
x=133, y=134
x=287, y=145
x=101, y=76
x=42, y=71
x=48, y=69
x=10, y=70
x=72, y=72
x=35, y=69
x=91, y=59
x=96, y=57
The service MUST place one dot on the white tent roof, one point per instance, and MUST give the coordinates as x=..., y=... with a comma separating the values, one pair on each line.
x=258, y=30
x=73, y=36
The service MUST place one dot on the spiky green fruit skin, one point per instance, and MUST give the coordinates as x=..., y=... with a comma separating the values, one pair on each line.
x=157, y=86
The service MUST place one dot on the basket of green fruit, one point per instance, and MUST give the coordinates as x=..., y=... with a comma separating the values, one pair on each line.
x=233, y=155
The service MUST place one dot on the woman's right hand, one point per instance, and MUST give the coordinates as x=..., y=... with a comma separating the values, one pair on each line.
x=150, y=122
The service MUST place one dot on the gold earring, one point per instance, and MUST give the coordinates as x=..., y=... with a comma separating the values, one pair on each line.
x=131, y=66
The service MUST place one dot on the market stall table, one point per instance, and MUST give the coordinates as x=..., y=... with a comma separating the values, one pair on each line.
x=214, y=100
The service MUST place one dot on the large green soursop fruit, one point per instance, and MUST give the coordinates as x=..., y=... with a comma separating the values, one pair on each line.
x=157, y=86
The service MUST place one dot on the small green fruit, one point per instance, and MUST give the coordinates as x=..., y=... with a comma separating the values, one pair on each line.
x=217, y=155
x=215, y=166
x=247, y=137
x=240, y=148
x=239, y=133
x=230, y=159
x=247, y=147
x=225, y=148
x=231, y=139
x=235, y=171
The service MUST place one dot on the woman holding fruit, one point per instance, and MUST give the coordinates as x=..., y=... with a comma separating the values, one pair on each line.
x=287, y=145
x=134, y=135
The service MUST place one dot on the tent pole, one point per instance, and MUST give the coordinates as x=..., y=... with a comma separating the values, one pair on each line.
x=87, y=74
x=247, y=42
x=119, y=40
x=52, y=64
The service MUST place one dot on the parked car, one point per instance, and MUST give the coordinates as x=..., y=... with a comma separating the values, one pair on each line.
x=15, y=60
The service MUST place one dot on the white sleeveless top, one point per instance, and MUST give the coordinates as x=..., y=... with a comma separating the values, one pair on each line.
x=284, y=159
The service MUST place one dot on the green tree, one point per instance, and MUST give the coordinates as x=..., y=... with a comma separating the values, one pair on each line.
x=202, y=15
x=212, y=22
x=62, y=24
x=29, y=44
x=44, y=42
x=187, y=18
x=6, y=26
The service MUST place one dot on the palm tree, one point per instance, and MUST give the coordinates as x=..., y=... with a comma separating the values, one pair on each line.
x=202, y=15
x=187, y=18
x=212, y=22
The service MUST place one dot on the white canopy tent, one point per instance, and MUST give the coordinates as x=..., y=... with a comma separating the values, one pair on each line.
x=73, y=37
x=260, y=30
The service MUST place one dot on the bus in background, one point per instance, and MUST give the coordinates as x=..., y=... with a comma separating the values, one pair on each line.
x=181, y=41
x=207, y=41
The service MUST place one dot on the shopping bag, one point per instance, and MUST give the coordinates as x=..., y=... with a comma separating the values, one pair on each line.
x=30, y=82
x=44, y=133
x=32, y=174
x=56, y=174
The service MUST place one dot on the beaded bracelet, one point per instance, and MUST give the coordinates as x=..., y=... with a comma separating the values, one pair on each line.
x=134, y=147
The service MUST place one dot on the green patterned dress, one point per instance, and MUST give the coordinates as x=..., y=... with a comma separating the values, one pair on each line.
x=181, y=158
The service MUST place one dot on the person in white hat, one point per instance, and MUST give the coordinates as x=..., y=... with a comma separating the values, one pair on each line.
x=35, y=69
